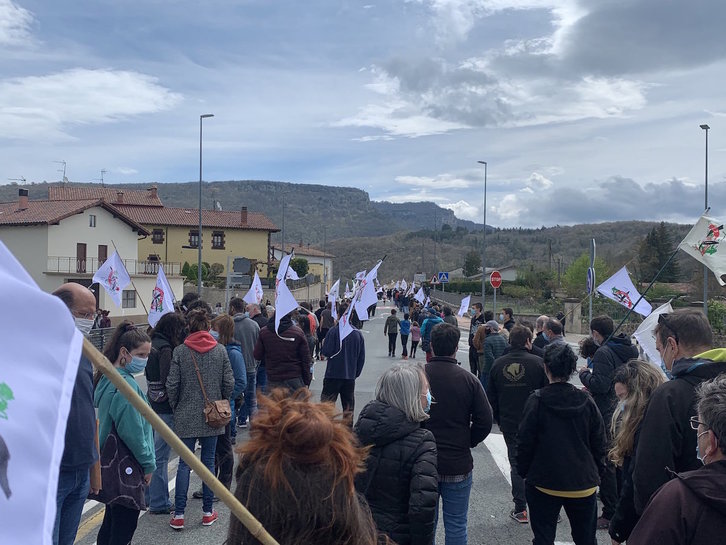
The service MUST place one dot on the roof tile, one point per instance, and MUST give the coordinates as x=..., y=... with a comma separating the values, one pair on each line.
x=109, y=194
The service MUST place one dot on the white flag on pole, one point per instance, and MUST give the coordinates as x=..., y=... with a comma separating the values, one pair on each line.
x=366, y=294
x=36, y=385
x=347, y=293
x=360, y=275
x=420, y=297
x=404, y=285
x=162, y=299
x=113, y=276
x=706, y=243
x=620, y=289
x=645, y=332
x=255, y=294
x=464, y=305
x=428, y=302
x=285, y=302
x=333, y=297
x=397, y=285
x=291, y=274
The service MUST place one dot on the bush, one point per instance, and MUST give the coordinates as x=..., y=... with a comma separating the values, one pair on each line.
x=717, y=315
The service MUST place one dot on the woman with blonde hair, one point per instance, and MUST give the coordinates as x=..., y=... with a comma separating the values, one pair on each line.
x=296, y=475
x=634, y=383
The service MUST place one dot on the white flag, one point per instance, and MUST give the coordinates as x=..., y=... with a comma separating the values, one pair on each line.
x=285, y=302
x=404, y=285
x=397, y=285
x=620, y=289
x=36, y=385
x=347, y=293
x=344, y=326
x=645, y=332
x=706, y=242
x=360, y=275
x=255, y=294
x=464, y=305
x=420, y=297
x=113, y=276
x=411, y=289
x=366, y=294
x=162, y=299
x=428, y=302
x=292, y=274
x=333, y=297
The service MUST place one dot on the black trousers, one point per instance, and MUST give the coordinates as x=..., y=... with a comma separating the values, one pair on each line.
x=119, y=525
x=404, y=342
x=345, y=387
x=224, y=457
x=291, y=385
x=414, y=344
x=543, y=511
x=474, y=361
x=392, y=344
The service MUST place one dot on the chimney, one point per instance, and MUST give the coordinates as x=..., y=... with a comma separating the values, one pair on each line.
x=119, y=197
x=152, y=192
x=22, y=199
x=243, y=215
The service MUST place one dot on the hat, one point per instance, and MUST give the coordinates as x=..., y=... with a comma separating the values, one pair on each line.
x=493, y=325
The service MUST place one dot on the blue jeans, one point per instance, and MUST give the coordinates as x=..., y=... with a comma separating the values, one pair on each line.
x=209, y=446
x=73, y=488
x=262, y=378
x=157, y=494
x=249, y=408
x=455, y=499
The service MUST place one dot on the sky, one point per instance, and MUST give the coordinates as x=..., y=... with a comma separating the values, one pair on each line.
x=584, y=110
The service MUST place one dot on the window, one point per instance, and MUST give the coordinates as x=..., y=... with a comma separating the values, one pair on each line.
x=128, y=299
x=218, y=240
x=194, y=238
x=157, y=236
x=91, y=220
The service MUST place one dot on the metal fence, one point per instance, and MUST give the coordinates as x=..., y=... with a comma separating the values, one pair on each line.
x=99, y=337
x=90, y=265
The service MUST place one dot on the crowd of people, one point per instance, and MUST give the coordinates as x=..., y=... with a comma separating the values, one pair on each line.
x=649, y=446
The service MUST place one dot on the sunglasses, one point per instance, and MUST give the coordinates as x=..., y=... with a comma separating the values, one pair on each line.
x=663, y=319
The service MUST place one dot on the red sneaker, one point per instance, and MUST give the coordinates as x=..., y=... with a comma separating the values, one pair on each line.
x=209, y=518
x=177, y=522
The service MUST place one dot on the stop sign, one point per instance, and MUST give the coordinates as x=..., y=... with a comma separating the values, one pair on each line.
x=495, y=279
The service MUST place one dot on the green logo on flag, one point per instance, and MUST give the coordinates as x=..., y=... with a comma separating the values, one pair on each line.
x=6, y=395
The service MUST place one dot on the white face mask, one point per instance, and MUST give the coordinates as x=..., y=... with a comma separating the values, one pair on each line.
x=84, y=325
x=501, y=317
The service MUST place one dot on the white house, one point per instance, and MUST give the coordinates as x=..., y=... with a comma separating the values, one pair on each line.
x=66, y=241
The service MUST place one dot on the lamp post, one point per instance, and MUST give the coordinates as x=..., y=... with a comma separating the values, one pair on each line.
x=484, y=245
x=705, y=207
x=199, y=234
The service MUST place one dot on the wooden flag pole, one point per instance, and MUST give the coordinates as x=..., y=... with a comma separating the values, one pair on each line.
x=104, y=366
x=132, y=280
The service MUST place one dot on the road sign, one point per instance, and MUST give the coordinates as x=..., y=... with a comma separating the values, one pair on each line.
x=443, y=277
x=419, y=277
x=434, y=280
x=495, y=279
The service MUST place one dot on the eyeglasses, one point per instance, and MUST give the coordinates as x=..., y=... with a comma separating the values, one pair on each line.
x=663, y=320
x=87, y=316
x=695, y=422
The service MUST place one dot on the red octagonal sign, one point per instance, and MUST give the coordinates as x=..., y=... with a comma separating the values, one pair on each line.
x=495, y=279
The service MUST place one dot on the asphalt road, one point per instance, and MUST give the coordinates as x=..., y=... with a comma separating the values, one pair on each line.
x=489, y=505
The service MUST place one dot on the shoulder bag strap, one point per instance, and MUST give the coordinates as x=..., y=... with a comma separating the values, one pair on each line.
x=199, y=376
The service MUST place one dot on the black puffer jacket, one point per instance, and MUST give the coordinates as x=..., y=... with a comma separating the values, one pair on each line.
x=400, y=481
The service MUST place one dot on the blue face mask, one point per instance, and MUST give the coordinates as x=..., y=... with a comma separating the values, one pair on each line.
x=546, y=338
x=136, y=365
x=214, y=334
x=428, y=401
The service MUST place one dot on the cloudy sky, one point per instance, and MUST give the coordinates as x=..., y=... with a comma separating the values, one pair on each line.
x=585, y=110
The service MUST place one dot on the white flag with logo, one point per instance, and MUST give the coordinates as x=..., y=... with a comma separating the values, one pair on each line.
x=255, y=294
x=347, y=293
x=366, y=294
x=646, y=332
x=162, y=299
x=333, y=297
x=114, y=277
x=360, y=275
x=420, y=297
x=706, y=242
x=620, y=289
x=464, y=305
x=36, y=385
x=292, y=274
x=285, y=302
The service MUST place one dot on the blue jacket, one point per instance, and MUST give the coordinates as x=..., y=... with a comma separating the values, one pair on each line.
x=405, y=327
x=239, y=370
x=80, y=448
x=427, y=325
x=132, y=428
x=346, y=363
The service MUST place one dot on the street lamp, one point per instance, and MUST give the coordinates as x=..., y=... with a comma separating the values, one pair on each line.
x=199, y=234
x=484, y=244
x=705, y=207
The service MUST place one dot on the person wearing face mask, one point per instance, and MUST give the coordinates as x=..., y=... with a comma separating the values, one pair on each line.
x=613, y=351
x=691, y=507
x=507, y=318
x=128, y=350
x=79, y=453
x=400, y=481
x=667, y=443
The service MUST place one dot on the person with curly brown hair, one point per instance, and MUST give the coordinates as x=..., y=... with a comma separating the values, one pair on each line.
x=296, y=475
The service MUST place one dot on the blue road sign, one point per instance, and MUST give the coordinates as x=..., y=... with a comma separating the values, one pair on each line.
x=443, y=277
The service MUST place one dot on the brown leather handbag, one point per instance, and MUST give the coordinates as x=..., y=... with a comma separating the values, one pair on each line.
x=217, y=414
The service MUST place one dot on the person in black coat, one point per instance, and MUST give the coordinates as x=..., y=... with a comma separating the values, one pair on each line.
x=400, y=481
x=561, y=452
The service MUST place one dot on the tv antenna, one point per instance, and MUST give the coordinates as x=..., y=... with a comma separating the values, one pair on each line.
x=63, y=171
x=103, y=171
x=21, y=179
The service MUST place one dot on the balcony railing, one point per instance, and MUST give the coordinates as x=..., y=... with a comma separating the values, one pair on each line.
x=90, y=265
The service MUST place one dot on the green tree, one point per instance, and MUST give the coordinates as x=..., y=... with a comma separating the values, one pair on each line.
x=300, y=266
x=471, y=263
x=653, y=252
x=574, y=281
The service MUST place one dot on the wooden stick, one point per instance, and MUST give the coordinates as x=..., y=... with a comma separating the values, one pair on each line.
x=102, y=364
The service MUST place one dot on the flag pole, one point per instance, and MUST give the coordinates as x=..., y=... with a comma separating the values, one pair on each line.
x=132, y=280
x=101, y=363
